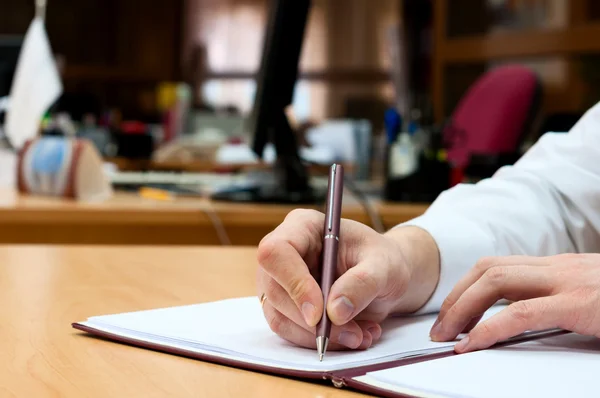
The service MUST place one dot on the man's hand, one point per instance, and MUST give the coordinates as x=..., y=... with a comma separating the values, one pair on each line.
x=560, y=291
x=377, y=275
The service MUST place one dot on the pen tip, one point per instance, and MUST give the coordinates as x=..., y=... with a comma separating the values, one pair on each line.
x=320, y=357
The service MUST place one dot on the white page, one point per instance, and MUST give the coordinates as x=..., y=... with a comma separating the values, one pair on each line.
x=238, y=327
x=563, y=366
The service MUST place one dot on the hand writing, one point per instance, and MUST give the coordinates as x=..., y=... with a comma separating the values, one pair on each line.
x=374, y=279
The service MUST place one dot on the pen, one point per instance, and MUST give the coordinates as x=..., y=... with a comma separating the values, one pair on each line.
x=329, y=254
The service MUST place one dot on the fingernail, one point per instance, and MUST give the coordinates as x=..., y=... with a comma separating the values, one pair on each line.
x=308, y=311
x=375, y=332
x=349, y=339
x=343, y=309
x=462, y=345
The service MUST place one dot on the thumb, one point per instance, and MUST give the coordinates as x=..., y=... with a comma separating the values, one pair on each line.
x=354, y=291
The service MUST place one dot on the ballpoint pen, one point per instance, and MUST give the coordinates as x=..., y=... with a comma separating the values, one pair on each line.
x=329, y=254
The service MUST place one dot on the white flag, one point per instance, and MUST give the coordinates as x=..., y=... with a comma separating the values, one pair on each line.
x=36, y=86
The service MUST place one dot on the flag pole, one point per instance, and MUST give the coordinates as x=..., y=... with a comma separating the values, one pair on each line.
x=40, y=9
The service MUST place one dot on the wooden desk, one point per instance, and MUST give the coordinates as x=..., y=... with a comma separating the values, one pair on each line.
x=130, y=219
x=44, y=289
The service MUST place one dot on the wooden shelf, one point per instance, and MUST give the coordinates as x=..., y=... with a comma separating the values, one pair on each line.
x=95, y=73
x=575, y=40
x=341, y=75
x=579, y=37
x=105, y=73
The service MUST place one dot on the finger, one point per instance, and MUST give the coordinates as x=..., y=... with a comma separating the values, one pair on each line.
x=514, y=283
x=339, y=339
x=346, y=334
x=479, y=269
x=530, y=315
x=281, y=301
x=372, y=328
x=282, y=262
x=355, y=290
x=278, y=299
x=303, y=229
x=367, y=341
x=471, y=324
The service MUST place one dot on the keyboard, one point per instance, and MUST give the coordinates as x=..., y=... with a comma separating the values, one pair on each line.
x=178, y=182
x=191, y=183
x=175, y=178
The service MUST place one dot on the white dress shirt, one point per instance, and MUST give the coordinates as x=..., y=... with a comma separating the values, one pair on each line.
x=547, y=203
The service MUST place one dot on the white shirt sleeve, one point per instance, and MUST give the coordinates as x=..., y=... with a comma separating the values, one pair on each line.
x=547, y=203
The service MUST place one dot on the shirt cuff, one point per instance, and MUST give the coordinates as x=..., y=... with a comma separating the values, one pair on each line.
x=461, y=244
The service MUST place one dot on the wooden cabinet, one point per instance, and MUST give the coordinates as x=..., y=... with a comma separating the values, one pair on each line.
x=114, y=50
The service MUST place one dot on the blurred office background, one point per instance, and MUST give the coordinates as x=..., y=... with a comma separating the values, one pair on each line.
x=116, y=53
x=183, y=73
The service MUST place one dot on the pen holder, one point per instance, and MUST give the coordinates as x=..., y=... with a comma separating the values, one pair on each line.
x=62, y=167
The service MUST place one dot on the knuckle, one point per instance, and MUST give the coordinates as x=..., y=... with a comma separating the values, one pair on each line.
x=495, y=276
x=485, y=263
x=573, y=321
x=302, y=215
x=484, y=330
x=575, y=261
x=452, y=313
x=307, y=221
x=521, y=311
x=366, y=280
x=267, y=250
x=571, y=257
x=586, y=294
x=273, y=292
x=583, y=317
x=448, y=303
x=276, y=322
x=297, y=289
x=265, y=238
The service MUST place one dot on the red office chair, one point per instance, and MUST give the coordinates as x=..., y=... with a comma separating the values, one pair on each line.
x=492, y=118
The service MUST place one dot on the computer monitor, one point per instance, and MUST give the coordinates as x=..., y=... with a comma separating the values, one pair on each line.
x=10, y=48
x=268, y=121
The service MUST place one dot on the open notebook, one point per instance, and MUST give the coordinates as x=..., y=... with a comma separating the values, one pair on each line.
x=554, y=367
x=234, y=332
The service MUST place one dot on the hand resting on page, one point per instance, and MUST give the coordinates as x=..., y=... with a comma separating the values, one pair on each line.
x=561, y=291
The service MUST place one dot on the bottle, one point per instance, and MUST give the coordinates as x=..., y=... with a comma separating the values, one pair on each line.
x=402, y=165
x=403, y=156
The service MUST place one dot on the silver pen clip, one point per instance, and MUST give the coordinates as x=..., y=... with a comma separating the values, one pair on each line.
x=331, y=189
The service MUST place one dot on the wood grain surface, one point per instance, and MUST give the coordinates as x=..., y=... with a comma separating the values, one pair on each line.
x=43, y=289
